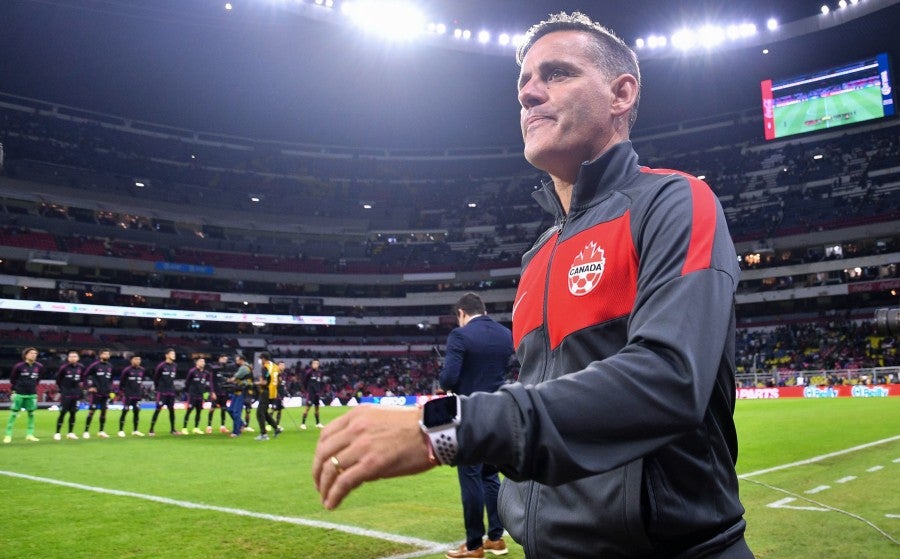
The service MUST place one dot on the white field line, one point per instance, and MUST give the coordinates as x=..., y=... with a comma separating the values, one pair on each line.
x=815, y=459
x=846, y=479
x=875, y=469
x=817, y=489
x=429, y=546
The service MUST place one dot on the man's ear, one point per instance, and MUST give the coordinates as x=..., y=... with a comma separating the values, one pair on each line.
x=624, y=94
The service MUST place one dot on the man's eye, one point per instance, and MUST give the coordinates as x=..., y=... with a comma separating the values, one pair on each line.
x=556, y=74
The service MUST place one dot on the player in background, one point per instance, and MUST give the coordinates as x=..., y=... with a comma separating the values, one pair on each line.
x=218, y=393
x=97, y=381
x=131, y=386
x=312, y=380
x=164, y=382
x=278, y=402
x=268, y=391
x=196, y=385
x=24, y=382
x=68, y=381
x=249, y=397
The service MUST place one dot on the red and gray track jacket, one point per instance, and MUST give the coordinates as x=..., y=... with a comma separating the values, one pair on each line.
x=621, y=441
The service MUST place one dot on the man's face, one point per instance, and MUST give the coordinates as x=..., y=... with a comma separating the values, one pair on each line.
x=314, y=364
x=104, y=356
x=31, y=355
x=566, y=101
x=201, y=363
x=73, y=358
x=135, y=361
x=170, y=356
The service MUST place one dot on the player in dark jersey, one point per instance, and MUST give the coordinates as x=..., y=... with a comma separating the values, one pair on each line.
x=278, y=401
x=312, y=380
x=196, y=385
x=24, y=381
x=218, y=393
x=164, y=382
x=97, y=381
x=68, y=381
x=131, y=386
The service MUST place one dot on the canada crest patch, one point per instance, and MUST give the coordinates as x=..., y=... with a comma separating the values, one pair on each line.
x=586, y=270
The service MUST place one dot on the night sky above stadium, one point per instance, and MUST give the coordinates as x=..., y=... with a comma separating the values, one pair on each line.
x=266, y=72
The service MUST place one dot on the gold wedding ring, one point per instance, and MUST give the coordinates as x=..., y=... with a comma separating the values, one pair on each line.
x=337, y=464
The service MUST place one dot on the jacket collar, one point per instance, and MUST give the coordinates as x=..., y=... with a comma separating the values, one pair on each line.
x=596, y=179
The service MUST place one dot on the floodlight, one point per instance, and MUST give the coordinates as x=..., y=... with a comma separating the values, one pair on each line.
x=441, y=28
x=684, y=39
x=228, y=6
x=772, y=24
x=518, y=40
x=639, y=43
x=711, y=35
x=466, y=34
x=457, y=33
x=394, y=19
x=484, y=37
x=503, y=39
x=825, y=10
x=842, y=3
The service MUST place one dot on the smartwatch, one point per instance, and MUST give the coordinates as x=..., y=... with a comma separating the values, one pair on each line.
x=440, y=418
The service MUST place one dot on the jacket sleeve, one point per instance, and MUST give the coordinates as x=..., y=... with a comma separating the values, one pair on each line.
x=649, y=393
x=453, y=360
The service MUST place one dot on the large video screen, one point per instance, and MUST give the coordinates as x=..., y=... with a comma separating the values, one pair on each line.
x=846, y=94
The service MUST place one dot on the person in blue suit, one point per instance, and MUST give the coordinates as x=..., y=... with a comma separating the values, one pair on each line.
x=477, y=357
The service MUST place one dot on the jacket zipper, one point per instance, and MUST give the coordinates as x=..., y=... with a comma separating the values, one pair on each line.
x=531, y=502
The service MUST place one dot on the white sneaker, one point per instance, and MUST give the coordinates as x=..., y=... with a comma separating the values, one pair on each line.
x=57, y=437
x=102, y=435
x=121, y=433
x=7, y=439
x=249, y=429
x=208, y=429
x=86, y=435
x=137, y=434
x=319, y=425
x=196, y=431
x=303, y=426
x=31, y=438
x=72, y=436
x=223, y=429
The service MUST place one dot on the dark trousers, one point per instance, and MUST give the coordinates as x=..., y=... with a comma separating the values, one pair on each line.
x=263, y=415
x=479, y=486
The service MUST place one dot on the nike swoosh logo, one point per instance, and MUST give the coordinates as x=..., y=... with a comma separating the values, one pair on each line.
x=516, y=305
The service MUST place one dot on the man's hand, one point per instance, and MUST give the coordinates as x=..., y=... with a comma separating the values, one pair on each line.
x=368, y=443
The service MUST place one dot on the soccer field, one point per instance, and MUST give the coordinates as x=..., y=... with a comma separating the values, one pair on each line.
x=820, y=479
x=827, y=112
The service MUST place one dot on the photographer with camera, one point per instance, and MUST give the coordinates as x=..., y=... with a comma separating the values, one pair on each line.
x=240, y=383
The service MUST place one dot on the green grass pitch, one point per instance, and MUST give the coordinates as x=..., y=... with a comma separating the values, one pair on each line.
x=210, y=496
x=828, y=112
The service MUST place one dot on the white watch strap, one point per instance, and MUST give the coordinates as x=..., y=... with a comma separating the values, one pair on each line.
x=443, y=442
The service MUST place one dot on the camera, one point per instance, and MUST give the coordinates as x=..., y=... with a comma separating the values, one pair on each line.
x=887, y=321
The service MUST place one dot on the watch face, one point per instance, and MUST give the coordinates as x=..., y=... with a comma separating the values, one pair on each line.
x=439, y=411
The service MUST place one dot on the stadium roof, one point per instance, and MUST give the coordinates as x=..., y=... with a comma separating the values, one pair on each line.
x=267, y=69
